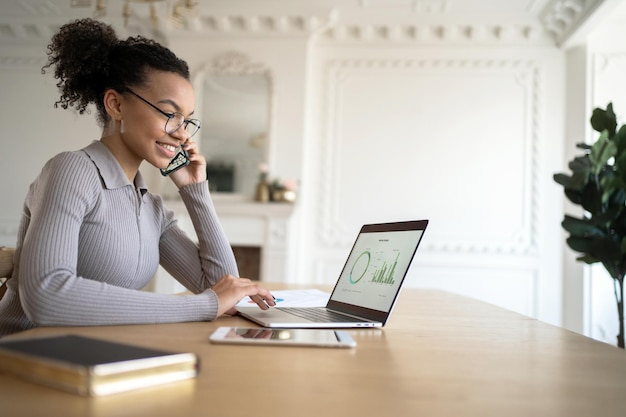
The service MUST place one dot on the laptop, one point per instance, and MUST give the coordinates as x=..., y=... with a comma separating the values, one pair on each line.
x=367, y=288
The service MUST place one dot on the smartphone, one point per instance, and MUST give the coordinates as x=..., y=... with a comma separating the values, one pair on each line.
x=180, y=160
x=283, y=337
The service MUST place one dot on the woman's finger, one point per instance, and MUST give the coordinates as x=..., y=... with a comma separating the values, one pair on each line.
x=260, y=301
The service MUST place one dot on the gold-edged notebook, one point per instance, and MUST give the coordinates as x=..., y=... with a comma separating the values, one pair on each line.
x=93, y=367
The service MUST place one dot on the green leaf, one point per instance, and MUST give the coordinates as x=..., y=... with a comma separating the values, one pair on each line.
x=580, y=164
x=606, y=250
x=562, y=179
x=603, y=250
x=579, y=244
x=620, y=139
x=575, y=182
x=617, y=198
x=604, y=120
x=581, y=168
x=579, y=180
x=574, y=196
x=592, y=197
x=611, y=268
x=588, y=259
x=609, y=184
x=609, y=217
x=581, y=227
x=620, y=162
x=616, y=203
x=601, y=152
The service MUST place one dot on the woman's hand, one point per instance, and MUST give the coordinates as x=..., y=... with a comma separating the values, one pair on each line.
x=193, y=173
x=230, y=290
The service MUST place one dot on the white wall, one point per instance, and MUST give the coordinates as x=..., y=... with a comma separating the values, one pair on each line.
x=33, y=130
x=467, y=137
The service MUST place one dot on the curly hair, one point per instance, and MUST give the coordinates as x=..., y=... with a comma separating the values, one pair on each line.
x=88, y=59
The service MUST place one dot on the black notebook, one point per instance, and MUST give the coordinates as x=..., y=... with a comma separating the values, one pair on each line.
x=93, y=367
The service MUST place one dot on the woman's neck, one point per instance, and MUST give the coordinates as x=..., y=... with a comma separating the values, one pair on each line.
x=125, y=157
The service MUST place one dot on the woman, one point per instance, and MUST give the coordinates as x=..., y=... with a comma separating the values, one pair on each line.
x=91, y=234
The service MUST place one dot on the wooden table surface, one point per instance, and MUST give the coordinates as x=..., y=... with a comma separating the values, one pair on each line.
x=439, y=355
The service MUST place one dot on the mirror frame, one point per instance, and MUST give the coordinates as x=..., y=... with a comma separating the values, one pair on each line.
x=233, y=62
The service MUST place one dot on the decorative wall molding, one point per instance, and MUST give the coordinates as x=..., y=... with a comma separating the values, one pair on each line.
x=235, y=63
x=556, y=21
x=308, y=25
x=39, y=20
x=528, y=73
x=416, y=6
x=236, y=24
x=437, y=33
x=603, y=61
x=562, y=17
x=259, y=25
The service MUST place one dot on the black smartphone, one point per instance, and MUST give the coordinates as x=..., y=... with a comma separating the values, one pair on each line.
x=180, y=160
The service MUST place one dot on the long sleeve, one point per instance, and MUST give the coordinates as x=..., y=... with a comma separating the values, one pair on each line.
x=197, y=267
x=89, y=241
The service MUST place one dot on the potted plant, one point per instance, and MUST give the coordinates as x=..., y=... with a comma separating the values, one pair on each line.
x=598, y=184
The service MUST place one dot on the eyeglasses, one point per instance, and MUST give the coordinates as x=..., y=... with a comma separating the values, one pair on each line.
x=174, y=120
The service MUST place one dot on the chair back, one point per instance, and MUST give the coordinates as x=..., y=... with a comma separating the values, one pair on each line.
x=6, y=267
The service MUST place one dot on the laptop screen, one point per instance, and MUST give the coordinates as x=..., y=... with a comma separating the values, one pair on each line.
x=376, y=267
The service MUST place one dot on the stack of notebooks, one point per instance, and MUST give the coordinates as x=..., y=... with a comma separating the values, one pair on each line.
x=93, y=367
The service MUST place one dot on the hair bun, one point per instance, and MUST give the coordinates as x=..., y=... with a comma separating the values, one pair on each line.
x=80, y=52
x=88, y=60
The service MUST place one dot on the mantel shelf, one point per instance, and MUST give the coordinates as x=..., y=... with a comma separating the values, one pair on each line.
x=228, y=205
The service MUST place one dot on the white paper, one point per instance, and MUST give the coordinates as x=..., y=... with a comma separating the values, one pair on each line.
x=295, y=298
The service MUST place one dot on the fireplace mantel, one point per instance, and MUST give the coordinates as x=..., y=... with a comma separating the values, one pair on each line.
x=228, y=204
x=247, y=223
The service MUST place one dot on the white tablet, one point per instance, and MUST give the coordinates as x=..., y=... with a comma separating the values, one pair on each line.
x=283, y=337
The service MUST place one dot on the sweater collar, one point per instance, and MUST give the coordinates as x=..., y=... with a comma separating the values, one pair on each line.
x=111, y=172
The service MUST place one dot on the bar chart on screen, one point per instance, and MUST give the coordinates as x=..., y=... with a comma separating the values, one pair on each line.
x=384, y=274
x=379, y=267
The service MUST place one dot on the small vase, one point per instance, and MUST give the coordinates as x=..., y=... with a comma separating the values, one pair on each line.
x=262, y=192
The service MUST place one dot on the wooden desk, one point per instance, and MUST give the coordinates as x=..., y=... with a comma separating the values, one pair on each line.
x=440, y=355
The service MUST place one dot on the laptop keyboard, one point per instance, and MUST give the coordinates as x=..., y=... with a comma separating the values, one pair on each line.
x=320, y=315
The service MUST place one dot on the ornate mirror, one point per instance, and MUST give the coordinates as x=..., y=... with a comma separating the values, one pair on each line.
x=234, y=97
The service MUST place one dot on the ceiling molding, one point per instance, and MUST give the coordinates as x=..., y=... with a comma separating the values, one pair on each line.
x=23, y=30
x=563, y=18
x=259, y=25
x=557, y=23
x=288, y=26
x=438, y=33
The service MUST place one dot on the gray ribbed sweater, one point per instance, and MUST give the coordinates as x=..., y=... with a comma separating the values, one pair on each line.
x=89, y=240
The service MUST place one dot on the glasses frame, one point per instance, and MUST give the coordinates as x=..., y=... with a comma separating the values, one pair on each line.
x=170, y=116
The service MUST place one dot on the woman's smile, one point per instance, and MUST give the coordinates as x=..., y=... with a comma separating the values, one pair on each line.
x=167, y=149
